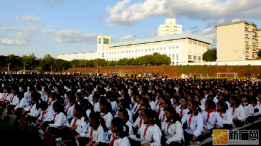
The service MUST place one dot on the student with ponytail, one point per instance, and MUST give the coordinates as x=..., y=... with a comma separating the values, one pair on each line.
x=149, y=133
x=120, y=133
x=165, y=104
x=172, y=129
x=106, y=111
x=123, y=114
x=31, y=112
x=68, y=110
x=225, y=114
x=211, y=117
x=97, y=133
x=139, y=121
x=194, y=123
x=22, y=102
x=182, y=110
x=123, y=104
x=237, y=110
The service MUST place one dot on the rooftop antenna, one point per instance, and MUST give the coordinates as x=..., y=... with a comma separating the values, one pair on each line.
x=170, y=10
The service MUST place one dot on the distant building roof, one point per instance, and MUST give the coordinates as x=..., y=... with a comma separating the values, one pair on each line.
x=165, y=38
x=235, y=22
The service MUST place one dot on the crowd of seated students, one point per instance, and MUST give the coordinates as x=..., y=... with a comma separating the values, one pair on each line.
x=99, y=111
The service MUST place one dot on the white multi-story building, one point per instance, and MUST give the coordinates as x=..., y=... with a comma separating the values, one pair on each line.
x=70, y=57
x=169, y=28
x=181, y=48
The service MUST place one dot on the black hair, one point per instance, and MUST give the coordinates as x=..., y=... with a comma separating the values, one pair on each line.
x=125, y=113
x=104, y=102
x=195, y=104
x=175, y=116
x=95, y=116
x=124, y=130
x=211, y=103
x=168, y=102
x=235, y=98
x=224, y=105
x=36, y=99
x=20, y=95
x=145, y=100
x=79, y=108
x=59, y=106
x=43, y=105
x=152, y=114
x=124, y=103
x=177, y=100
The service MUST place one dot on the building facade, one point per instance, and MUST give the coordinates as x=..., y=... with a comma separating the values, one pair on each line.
x=169, y=28
x=182, y=48
x=70, y=57
x=238, y=40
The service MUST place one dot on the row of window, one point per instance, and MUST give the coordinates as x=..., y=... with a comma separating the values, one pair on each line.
x=173, y=56
x=141, y=50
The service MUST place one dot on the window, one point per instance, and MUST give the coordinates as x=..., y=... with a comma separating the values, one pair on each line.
x=160, y=48
x=177, y=63
x=149, y=49
x=106, y=41
x=177, y=56
x=99, y=40
x=102, y=54
x=169, y=47
x=177, y=46
x=164, y=48
x=123, y=52
x=173, y=47
x=152, y=49
x=146, y=49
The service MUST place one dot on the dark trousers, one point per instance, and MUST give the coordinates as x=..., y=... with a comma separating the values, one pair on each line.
x=29, y=118
x=250, y=119
x=227, y=126
x=188, y=137
x=67, y=134
x=3, y=105
x=10, y=109
x=43, y=127
x=57, y=132
x=238, y=123
x=18, y=112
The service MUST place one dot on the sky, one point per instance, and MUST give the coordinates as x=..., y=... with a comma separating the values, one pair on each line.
x=65, y=26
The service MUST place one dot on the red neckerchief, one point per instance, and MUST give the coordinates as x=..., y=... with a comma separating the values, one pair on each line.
x=190, y=119
x=67, y=109
x=136, y=106
x=145, y=131
x=74, y=123
x=221, y=115
x=113, y=139
x=140, y=121
x=54, y=118
x=43, y=113
x=163, y=116
x=90, y=140
x=213, y=110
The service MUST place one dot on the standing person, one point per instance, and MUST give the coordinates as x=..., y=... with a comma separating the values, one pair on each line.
x=126, y=74
x=195, y=76
x=258, y=77
x=190, y=75
x=253, y=76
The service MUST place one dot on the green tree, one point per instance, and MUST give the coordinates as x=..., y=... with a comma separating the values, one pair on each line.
x=47, y=62
x=210, y=55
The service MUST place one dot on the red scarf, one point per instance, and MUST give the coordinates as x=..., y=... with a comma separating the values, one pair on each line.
x=190, y=119
x=30, y=108
x=163, y=116
x=157, y=103
x=19, y=102
x=136, y=107
x=90, y=140
x=221, y=115
x=181, y=113
x=102, y=115
x=169, y=125
x=145, y=131
x=140, y=121
x=12, y=99
x=213, y=110
x=43, y=113
x=67, y=109
x=74, y=123
x=54, y=118
x=113, y=139
x=233, y=111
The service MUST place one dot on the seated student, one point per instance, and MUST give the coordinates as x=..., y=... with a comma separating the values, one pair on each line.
x=14, y=101
x=22, y=102
x=45, y=96
x=238, y=113
x=112, y=100
x=194, y=123
x=97, y=133
x=77, y=128
x=151, y=101
x=165, y=104
x=47, y=114
x=95, y=102
x=136, y=105
x=225, y=114
x=6, y=97
x=221, y=97
x=119, y=136
x=172, y=129
x=256, y=107
x=59, y=119
x=149, y=132
x=106, y=111
x=248, y=109
x=142, y=101
x=139, y=121
x=123, y=105
x=160, y=108
x=123, y=114
x=198, y=99
x=87, y=107
x=183, y=107
x=211, y=117
x=67, y=97
x=30, y=113
x=69, y=108
x=51, y=100
x=176, y=103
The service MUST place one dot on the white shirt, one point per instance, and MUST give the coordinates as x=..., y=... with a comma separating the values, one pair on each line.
x=152, y=105
x=129, y=113
x=121, y=141
x=96, y=106
x=214, y=118
x=48, y=116
x=196, y=125
x=69, y=110
x=82, y=126
x=139, y=121
x=14, y=100
x=128, y=123
x=184, y=111
x=97, y=135
x=256, y=107
x=239, y=112
x=248, y=109
x=59, y=120
x=21, y=103
x=114, y=105
x=152, y=135
x=173, y=132
x=7, y=97
x=226, y=117
x=107, y=118
x=34, y=112
x=135, y=108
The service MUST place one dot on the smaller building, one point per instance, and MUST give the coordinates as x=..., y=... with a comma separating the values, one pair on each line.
x=78, y=56
x=169, y=28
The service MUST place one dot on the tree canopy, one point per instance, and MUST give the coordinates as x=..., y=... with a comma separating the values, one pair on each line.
x=210, y=55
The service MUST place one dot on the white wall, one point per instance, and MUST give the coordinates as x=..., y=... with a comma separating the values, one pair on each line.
x=254, y=62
